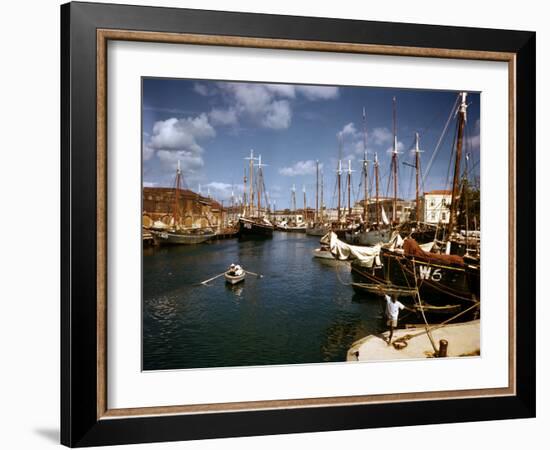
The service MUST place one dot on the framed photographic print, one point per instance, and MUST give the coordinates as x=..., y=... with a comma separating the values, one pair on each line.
x=276, y=224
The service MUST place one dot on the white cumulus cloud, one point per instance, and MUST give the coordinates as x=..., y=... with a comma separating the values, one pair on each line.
x=268, y=105
x=380, y=136
x=222, y=191
x=319, y=92
x=174, y=140
x=278, y=115
x=308, y=167
x=220, y=116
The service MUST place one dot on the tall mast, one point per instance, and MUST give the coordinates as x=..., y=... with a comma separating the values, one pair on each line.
x=244, y=193
x=349, y=187
x=177, y=195
x=339, y=172
x=322, y=199
x=366, y=188
x=376, y=179
x=251, y=181
x=232, y=202
x=339, y=176
x=305, y=204
x=417, y=152
x=454, y=193
x=317, y=191
x=260, y=183
x=365, y=170
x=293, y=198
x=394, y=164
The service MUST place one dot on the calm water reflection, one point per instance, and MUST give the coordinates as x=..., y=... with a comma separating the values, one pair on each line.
x=299, y=312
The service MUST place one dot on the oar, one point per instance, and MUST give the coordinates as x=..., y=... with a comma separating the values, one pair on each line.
x=213, y=278
x=255, y=274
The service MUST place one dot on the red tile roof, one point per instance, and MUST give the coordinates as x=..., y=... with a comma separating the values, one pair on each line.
x=438, y=192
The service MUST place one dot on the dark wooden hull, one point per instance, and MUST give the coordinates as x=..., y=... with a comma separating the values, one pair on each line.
x=317, y=230
x=250, y=229
x=438, y=284
x=177, y=238
x=367, y=238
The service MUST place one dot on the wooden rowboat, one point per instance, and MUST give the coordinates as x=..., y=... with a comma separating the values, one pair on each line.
x=234, y=279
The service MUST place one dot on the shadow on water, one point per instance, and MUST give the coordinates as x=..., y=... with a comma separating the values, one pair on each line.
x=301, y=311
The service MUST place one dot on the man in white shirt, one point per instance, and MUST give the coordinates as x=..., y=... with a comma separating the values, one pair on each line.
x=392, y=313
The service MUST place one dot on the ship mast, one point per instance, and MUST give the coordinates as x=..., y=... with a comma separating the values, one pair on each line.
x=317, y=191
x=339, y=172
x=260, y=183
x=232, y=202
x=177, y=183
x=244, y=193
x=322, y=198
x=365, y=170
x=454, y=193
x=349, y=187
x=293, y=198
x=417, y=152
x=251, y=182
x=377, y=182
x=394, y=164
x=305, y=204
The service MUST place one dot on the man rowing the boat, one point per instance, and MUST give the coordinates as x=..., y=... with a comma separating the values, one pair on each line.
x=235, y=270
x=392, y=313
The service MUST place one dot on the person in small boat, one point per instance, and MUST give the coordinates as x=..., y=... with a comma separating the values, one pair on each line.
x=235, y=270
x=393, y=306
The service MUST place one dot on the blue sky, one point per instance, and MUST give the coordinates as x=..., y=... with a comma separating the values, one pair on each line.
x=210, y=126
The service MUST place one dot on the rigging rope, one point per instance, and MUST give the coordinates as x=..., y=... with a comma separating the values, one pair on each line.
x=436, y=150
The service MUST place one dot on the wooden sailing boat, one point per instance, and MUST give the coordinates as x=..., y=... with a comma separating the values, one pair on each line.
x=254, y=224
x=446, y=281
x=177, y=234
x=379, y=231
x=294, y=226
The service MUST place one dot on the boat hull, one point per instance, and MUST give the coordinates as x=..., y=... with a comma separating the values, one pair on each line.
x=439, y=285
x=171, y=238
x=323, y=254
x=292, y=229
x=234, y=279
x=317, y=231
x=254, y=230
x=371, y=237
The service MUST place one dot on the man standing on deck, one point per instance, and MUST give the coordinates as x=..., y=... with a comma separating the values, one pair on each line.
x=392, y=313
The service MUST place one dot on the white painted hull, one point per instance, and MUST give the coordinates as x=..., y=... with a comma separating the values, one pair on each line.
x=234, y=279
x=322, y=254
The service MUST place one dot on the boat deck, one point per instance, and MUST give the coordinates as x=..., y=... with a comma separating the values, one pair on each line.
x=463, y=339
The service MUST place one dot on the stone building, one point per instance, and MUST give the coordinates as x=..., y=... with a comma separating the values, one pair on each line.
x=196, y=210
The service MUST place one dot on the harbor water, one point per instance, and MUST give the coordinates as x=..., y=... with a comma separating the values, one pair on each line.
x=302, y=310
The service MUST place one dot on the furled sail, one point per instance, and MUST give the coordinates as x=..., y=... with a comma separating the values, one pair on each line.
x=342, y=251
x=384, y=216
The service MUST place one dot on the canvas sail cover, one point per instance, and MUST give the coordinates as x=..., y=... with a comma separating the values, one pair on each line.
x=411, y=248
x=384, y=216
x=342, y=251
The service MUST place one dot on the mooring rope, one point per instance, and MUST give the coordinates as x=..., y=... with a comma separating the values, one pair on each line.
x=441, y=325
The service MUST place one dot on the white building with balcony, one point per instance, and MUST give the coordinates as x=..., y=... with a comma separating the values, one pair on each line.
x=436, y=206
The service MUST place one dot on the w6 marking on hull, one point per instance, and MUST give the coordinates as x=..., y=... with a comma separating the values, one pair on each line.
x=426, y=273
